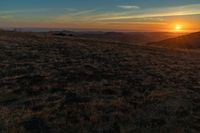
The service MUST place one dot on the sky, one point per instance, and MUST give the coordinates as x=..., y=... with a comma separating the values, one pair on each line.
x=127, y=15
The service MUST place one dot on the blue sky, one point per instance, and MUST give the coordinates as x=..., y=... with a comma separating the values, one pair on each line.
x=100, y=14
x=81, y=4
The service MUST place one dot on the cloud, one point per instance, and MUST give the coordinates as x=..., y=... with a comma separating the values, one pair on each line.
x=83, y=12
x=25, y=11
x=138, y=22
x=128, y=7
x=6, y=17
x=155, y=12
x=38, y=10
x=95, y=17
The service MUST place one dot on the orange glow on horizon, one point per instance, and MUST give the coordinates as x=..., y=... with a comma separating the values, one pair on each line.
x=180, y=26
x=176, y=26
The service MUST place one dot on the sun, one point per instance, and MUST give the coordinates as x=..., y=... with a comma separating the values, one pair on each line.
x=178, y=27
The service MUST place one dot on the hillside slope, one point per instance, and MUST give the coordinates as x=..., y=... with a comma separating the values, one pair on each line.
x=191, y=41
x=65, y=84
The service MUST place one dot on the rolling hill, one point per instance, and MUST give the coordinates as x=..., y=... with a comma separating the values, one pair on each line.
x=127, y=37
x=191, y=41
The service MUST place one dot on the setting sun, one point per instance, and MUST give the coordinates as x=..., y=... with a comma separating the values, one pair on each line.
x=178, y=27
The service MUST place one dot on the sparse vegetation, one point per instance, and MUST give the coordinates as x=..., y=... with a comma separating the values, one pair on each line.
x=190, y=41
x=55, y=84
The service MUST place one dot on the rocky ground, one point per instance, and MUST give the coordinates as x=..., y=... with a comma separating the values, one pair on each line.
x=51, y=84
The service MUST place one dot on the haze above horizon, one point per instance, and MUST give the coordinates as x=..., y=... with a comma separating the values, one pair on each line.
x=129, y=15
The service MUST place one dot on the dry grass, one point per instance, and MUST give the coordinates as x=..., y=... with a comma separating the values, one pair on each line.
x=67, y=84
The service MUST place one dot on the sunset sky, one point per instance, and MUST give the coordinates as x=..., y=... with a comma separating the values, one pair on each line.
x=128, y=15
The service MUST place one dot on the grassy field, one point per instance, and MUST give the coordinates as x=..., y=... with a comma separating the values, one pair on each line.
x=51, y=84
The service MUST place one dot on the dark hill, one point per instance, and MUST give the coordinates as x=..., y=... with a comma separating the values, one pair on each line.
x=131, y=37
x=191, y=41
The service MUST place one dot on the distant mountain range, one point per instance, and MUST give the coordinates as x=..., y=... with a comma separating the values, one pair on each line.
x=190, y=41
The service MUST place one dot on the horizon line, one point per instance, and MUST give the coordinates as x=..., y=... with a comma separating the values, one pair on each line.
x=45, y=29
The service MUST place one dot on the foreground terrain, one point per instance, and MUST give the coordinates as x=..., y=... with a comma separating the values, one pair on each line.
x=68, y=84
